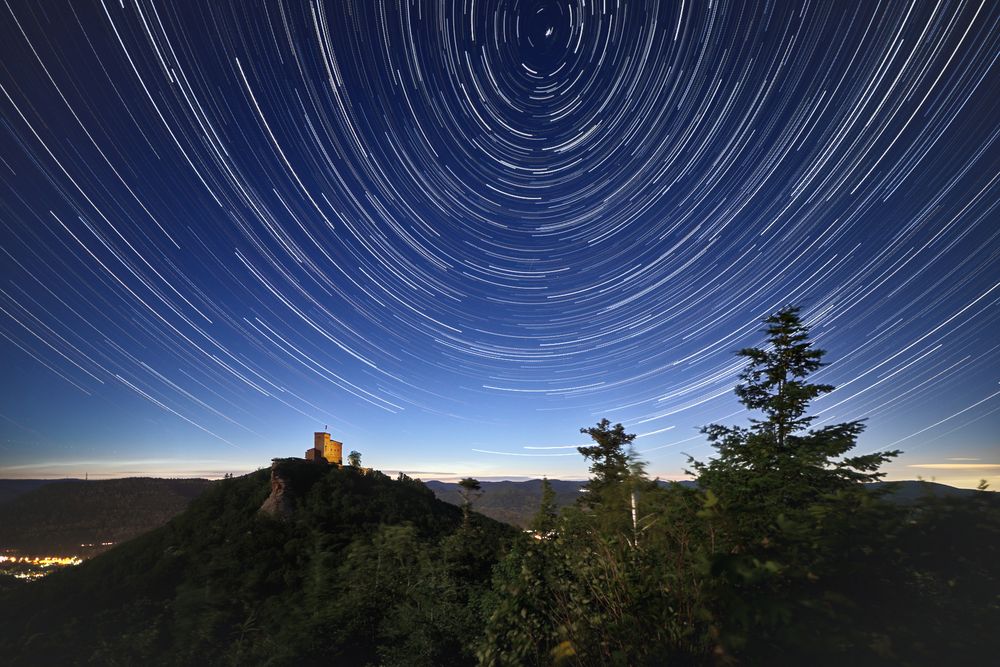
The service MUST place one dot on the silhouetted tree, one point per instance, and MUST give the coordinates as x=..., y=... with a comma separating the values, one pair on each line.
x=609, y=456
x=354, y=459
x=775, y=464
x=545, y=519
x=786, y=509
x=470, y=490
x=781, y=556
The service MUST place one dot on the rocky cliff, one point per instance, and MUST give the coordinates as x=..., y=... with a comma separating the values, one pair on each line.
x=281, y=502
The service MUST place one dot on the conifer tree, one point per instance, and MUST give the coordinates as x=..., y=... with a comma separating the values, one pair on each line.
x=470, y=490
x=610, y=456
x=545, y=519
x=778, y=463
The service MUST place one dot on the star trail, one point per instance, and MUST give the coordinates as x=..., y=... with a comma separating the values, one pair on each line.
x=458, y=231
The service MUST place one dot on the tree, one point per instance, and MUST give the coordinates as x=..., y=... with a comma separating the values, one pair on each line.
x=470, y=490
x=788, y=517
x=545, y=519
x=776, y=460
x=590, y=594
x=610, y=455
x=618, y=474
x=781, y=556
x=354, y=459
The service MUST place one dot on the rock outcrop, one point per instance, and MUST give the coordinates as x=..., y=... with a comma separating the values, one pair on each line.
x=281, y=502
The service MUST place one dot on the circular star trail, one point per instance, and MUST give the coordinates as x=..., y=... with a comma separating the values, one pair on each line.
x=455, y=232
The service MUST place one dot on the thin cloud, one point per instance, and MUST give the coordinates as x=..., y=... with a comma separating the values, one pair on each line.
x=489, y=451
x=553, y=446
x=957, y=466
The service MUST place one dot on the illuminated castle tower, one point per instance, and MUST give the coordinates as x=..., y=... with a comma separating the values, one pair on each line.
x=332, y=451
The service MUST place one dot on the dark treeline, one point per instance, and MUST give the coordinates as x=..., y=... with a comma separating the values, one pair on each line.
x=783, y=553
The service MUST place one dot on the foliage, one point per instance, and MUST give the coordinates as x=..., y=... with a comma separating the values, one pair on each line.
x=470, y=488
x=586, y=596
x=778, y=497
x=775, y=465
x=590, y=590
x=354, y=459
x=609, y=456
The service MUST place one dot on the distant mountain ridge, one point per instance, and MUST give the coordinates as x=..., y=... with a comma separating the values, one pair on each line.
x=56, y=518
x=513, y=503
x=12, y=488
x=517, y=502
x=908, y=491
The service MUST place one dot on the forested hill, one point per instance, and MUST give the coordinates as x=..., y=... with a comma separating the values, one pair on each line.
x=12, y=488
x=363, y=569
x=58, y=517
x=511, y=502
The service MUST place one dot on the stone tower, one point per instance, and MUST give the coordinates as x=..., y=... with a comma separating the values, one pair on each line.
x=331, y=450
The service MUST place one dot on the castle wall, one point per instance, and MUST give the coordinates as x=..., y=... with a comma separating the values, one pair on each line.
x=326, y=448
x=333, y=451
x=321, y=440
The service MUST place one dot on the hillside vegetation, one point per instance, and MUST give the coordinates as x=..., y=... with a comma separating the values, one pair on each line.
x=12, y=488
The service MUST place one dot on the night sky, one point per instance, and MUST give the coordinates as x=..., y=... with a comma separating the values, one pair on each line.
x=456, y=232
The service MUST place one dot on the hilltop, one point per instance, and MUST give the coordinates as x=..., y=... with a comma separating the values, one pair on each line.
x=360, y=569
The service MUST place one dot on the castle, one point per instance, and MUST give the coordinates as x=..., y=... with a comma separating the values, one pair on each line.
x=325, y=450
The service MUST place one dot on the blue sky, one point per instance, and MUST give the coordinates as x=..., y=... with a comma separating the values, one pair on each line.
x=454, y=234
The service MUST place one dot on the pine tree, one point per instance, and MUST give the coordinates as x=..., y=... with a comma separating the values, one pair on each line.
x=610, y=456
x=545, y=519
x=470, y=490
x=778, y=463
x=787, y=512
